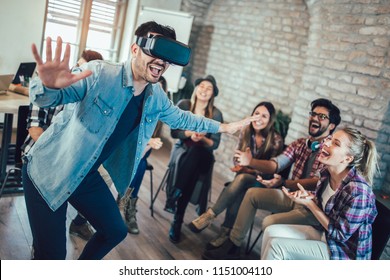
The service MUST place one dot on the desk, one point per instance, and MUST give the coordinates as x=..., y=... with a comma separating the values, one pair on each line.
x=9, y=105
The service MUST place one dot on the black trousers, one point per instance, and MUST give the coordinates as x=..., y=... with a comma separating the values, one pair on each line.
x=195, y=162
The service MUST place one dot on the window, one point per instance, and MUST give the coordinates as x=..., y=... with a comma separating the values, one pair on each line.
x=87, y=24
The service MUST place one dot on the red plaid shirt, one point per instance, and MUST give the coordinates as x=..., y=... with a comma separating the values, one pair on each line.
x=298, y=152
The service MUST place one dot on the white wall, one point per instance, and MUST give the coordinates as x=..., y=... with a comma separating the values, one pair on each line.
x=21, y=24
x=132, y=17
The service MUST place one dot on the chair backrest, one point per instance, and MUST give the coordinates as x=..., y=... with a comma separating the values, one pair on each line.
x=21, y=132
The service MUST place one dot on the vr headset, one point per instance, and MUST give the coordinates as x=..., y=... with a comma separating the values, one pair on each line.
x=165, y=49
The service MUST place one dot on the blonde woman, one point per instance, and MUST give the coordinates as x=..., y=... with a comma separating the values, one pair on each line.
x=344, y=205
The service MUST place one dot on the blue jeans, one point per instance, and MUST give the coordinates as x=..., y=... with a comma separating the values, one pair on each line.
x=94, y=200
x=138, y=177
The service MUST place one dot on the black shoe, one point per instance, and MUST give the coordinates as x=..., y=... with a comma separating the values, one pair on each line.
x=210, y=246
x=175, y=232
x=170, y=208
x=228, y=251
x=170, y=204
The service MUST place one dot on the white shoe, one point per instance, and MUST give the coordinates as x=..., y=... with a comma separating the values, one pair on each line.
x=203, y=221
x=220, y=239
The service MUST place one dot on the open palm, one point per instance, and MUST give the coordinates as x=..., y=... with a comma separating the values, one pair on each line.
x=55, y=73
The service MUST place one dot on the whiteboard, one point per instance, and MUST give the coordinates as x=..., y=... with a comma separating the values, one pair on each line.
x=182, y=23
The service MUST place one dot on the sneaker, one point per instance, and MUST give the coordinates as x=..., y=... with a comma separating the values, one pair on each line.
x=83, y=231
x=227, y=251
x=203, y=221
x=220, y=239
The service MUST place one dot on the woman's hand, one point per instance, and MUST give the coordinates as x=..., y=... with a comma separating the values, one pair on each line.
x=242, y=169
x=155, y=143
x=272, y=183
x=55, y=73
x=243, y=158
x=301, y=196
x=196, y=136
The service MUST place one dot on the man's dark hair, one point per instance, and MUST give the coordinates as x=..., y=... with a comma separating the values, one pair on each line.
x=152, y=26
x=334, y=111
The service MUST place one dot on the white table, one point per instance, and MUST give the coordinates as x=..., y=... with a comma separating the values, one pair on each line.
x=9, y=105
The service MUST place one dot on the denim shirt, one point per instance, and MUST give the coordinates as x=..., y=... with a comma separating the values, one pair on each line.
x=66, y=151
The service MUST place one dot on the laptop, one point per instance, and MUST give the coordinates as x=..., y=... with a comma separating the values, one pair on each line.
x=25, y=70
x=5, y=81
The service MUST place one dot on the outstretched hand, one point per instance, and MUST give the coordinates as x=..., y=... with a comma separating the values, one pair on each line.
x=55, y=73
x=232, y=127
x=276, y=181
x=301, y=196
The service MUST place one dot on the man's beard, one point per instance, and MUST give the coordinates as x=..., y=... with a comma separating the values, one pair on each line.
x=320, y=131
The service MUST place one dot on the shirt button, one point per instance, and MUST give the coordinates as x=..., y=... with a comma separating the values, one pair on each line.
x=105, y=111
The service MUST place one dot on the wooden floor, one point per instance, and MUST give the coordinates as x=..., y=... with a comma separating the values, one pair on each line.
x=151, y=244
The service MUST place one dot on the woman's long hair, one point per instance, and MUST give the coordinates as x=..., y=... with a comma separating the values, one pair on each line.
x=268, y=132
x=365, y=156
x=210, y=106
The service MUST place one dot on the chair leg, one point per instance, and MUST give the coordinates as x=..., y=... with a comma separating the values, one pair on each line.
x=153, y=197
x=151, y=191
x=6, y=180
x=250, y=247
x=4, y=183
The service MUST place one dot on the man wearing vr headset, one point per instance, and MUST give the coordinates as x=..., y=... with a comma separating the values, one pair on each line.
x=112, y=110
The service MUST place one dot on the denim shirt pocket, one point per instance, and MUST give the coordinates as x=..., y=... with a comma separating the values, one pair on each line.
x=94, y=117
x=150, y=123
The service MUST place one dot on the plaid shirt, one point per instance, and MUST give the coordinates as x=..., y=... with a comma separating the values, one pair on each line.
x=351, y=211
x=39, y=117
x=298, y=152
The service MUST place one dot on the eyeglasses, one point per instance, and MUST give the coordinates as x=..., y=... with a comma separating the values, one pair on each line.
x=320, y=115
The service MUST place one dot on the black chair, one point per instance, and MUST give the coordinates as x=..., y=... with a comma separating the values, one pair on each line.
x=13, y=179
x=150, y=168
x=249, y=247
x=381, y=226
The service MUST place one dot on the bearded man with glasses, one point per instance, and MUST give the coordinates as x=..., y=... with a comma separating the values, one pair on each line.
x=324, y=117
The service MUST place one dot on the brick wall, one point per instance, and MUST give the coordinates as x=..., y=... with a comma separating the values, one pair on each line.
x=290, y=52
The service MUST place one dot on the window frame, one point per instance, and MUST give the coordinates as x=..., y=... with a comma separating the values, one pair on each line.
x=83, y=26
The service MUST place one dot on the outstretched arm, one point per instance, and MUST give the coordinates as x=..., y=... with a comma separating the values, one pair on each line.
x=55, y=73
x=232, y=127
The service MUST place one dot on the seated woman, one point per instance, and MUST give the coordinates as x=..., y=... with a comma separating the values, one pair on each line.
x=344, y=205
x=264, y=142
x=194, y=149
